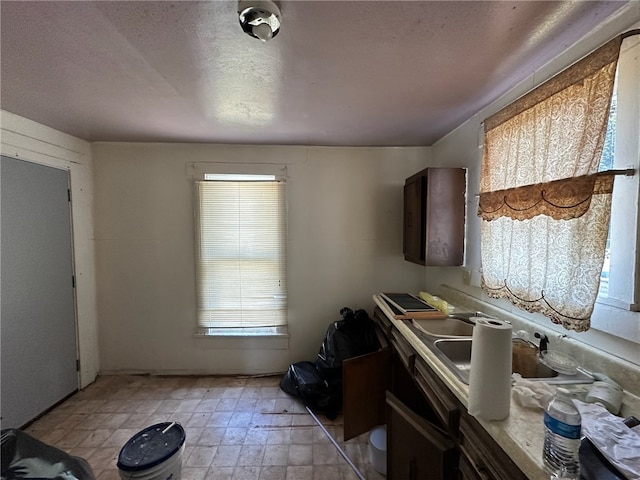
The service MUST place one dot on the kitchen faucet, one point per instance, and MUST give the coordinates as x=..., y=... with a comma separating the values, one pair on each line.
x=544, y=341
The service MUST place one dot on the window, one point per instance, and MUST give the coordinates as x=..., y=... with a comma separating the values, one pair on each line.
x=241, y=255
x=544, y=207
x=619, y=280
x=618, y=296
x=606, y=163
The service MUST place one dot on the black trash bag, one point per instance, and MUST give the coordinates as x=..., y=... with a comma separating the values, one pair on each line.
x=303, y=381
x=352, y=336
x=26, y=457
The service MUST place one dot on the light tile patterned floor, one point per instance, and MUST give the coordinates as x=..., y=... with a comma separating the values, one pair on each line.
x=236, y=428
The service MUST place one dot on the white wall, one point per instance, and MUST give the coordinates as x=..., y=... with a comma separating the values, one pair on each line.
x=30, y=141
x=614, y=331
x=345, y=243
x=345, y=214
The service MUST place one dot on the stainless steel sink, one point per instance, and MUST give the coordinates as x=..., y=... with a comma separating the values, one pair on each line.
x=444, y=327
x=455, y=353
x=450, y=339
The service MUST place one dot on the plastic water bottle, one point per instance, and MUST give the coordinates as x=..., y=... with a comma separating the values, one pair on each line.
x=562, y=425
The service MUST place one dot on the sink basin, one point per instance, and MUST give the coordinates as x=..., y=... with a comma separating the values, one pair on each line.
x=455, y=353
x=444, y=327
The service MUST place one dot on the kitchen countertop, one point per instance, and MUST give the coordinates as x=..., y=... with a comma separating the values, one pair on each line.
x=520, y=435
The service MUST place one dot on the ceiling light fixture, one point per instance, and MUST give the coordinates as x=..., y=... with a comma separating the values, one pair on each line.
x=260, y=18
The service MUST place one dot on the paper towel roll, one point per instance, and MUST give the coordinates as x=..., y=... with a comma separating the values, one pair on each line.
x=490, y=374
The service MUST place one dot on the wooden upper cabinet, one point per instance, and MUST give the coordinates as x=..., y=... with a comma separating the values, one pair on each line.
x=434, y=214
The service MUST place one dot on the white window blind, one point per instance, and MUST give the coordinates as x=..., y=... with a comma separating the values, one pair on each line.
x=241, y=254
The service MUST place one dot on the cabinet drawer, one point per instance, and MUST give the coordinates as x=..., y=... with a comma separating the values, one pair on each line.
x=443, y=402
x=485, y=456
x=404, y=350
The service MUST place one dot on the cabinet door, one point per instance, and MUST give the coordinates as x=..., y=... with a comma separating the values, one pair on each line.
x=434, y=214
x=443, y=402
x=484, y=455
x=365, y=380
x=467, y=471
x=416, y=449
x=444, y=216
x=414, y=246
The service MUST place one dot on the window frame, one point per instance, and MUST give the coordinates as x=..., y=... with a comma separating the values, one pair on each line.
x=624, y=282
x=199, y=172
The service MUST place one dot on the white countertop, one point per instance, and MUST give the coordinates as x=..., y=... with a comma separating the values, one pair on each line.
x=520, y=435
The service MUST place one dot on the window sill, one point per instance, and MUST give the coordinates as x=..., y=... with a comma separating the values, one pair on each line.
x=612, y=302
x=257, y=332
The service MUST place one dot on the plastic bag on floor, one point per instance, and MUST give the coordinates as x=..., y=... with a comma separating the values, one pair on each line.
x=25, y=457
x=303, y=380
x=352, y=336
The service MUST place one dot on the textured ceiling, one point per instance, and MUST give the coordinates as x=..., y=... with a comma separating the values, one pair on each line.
x=338, y=73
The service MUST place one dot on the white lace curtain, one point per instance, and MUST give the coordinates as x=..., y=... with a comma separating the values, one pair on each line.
x=545, y=210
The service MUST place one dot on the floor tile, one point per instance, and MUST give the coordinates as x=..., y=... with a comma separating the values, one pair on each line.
x=251, y=455
x=324, y=454
x=96, y=438
x=193, y=473
x=208, y=405
x=234, y=436
x=201, y=456
x=198, y=420
x=273, y=473
x=220, y=473
x=276, y=455
x=226, y=456
x=104, y=458
x=299, y=473
x=246, y=473
x=300, y=455
x=302, y=435
x=119, y=437
x=241, y=428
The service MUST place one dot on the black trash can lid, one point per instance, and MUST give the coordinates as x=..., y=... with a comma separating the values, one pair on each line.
x=151, y=446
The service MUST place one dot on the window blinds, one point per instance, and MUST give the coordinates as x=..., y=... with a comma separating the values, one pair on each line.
x=241, y=254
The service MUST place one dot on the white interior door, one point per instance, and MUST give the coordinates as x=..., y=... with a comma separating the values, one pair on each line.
x=38, y=322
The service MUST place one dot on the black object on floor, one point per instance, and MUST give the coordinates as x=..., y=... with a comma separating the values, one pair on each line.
x=23, y=456
x=319, y=383
x=350, y=337
x=303, y=381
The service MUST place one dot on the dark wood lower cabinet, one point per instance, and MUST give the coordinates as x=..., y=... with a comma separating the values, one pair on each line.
x=416, y=449
x=365, y=381
x=485, y=458
x=468, y=471
x=429, y=432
